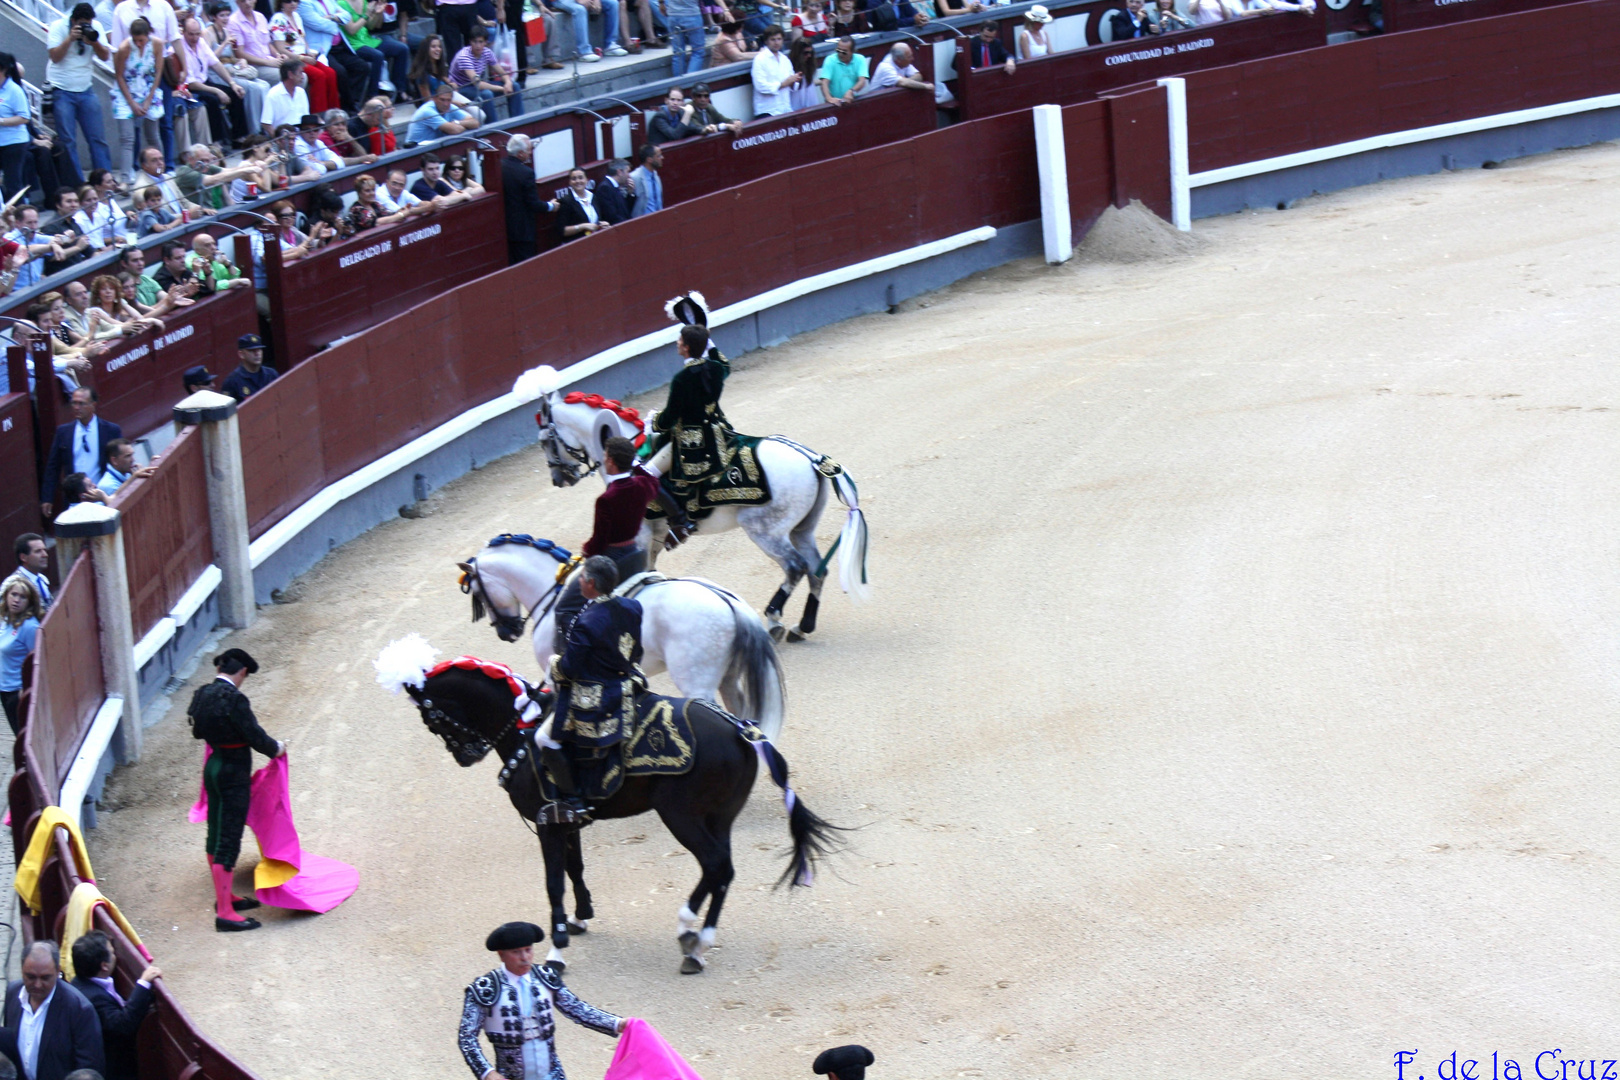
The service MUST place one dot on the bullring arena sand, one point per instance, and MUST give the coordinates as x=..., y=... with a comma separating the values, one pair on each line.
x=1237, y=696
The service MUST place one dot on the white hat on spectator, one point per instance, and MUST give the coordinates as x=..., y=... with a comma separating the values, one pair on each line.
x=1039, y=14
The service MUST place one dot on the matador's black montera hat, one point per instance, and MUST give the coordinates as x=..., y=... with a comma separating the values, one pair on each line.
x=843, y=1062
x=513, y=935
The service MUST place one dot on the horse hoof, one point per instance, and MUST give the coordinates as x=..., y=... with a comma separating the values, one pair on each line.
x=584, y=912
x=689, y=942
x=691, y=965
x=796, y=634
x=778, y=632
x=557, y=967
x=577, y=926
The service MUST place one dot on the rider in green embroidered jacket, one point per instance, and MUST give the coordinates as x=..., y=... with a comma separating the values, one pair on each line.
x=691, y=437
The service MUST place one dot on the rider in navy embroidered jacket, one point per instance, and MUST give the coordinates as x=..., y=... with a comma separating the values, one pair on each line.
x=597, y=675
x=620, y=511
x=515, y=1011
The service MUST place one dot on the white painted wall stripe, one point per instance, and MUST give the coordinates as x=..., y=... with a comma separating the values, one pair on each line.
x=77, y=783
x=1402, y=138
x=1175, y=90
x=305, y=515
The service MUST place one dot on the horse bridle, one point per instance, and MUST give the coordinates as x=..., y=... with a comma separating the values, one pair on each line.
x=578, y=464
x=512, y=624
x=446, y=727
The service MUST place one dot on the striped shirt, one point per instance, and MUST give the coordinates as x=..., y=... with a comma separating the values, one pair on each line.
x=467, y=69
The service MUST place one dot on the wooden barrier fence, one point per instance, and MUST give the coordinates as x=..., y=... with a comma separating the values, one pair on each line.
x=168, y=539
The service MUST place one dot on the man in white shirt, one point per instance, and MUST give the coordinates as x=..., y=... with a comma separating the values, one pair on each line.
x=72, y=47
x=393, y=197
x=57, y=1029
x=307, y=145
x=774, y=77
x=158, y=14
x=287, y=101
x=897, y=70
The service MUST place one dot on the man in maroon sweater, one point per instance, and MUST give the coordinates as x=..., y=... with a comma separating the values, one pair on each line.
x=619, y=513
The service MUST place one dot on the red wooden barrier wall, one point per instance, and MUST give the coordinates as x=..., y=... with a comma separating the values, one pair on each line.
x=19, y=485
x=351, y=404
x=168, y=540
x=374, y=275
x=1419, y=14
x=1340, y=93
x=1066, y=77
x=67, y=677
x=139, y=377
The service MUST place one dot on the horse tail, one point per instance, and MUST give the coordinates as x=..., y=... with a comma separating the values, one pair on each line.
x=853, y=540
x=754, y=664
x=813, y=838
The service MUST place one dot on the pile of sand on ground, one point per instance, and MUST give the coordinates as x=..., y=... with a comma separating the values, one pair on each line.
x=1132, y=235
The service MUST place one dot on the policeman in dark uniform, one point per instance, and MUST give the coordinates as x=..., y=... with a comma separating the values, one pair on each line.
x=597, y=679
x=221, y=715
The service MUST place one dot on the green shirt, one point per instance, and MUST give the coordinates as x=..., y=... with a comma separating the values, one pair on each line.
x=841, y=77
x=219, y=270
x=190, y=183
x=362, y=38
x=147, y=291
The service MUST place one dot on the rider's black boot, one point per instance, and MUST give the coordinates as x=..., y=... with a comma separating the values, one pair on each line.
x=669, y=500
x=568, y=808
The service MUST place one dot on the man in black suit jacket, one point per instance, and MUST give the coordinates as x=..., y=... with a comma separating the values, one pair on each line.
x=66, y=1037
x=74, y=444
x=523, y=201
x=93, y=964
x=1132, y=22
x=986, y=50
x=613, y=198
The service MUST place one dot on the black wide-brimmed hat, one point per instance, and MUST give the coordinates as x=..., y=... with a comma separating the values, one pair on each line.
x=513, y=935
x=240, y=656
x=688, y=309
x=843, y=1062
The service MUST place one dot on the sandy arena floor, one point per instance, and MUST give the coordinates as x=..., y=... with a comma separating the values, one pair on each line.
x=1237, y=698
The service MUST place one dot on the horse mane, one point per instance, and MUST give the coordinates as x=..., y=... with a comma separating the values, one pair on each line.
x=624, y=412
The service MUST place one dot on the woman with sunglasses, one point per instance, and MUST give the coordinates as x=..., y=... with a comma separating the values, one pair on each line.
x=455, y=174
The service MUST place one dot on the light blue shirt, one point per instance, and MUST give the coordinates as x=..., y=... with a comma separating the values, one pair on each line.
x=29, y=1029
x=33, y=271
x=16, y=642
x=111, y=480
x=425, y=124
x=319, y=26
x=87, y=447
x=13, y=102
x=42, y=585
x=649, y=192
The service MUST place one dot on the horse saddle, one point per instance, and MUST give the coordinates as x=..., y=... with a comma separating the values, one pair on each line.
x=660, y=744
x=719, y=468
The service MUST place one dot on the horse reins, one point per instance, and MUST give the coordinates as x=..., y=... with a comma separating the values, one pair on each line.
x=542, y=607
x=555, y=446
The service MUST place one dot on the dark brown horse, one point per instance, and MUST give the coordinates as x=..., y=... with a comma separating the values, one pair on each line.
x=474, y=713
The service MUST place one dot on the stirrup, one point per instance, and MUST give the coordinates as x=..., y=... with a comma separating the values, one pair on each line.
x=564, y=812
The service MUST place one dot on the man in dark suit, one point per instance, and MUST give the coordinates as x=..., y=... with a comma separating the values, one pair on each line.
x=1132, y=22
x=93, y=963
x=523, y=201
x=79, y=447
x=987, y=50
x=55, y=1028
x=613, y=195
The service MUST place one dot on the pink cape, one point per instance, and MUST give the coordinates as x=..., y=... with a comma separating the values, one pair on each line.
x=288, y=876
x=643, y=1054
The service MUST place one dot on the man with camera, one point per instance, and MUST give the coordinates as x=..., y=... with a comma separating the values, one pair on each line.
x=73, y=46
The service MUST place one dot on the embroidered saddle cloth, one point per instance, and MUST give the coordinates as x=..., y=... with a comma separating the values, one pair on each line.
x=715, y=466
x=660, y=744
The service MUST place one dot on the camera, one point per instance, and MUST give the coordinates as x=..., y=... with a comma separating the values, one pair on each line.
x=89, y=33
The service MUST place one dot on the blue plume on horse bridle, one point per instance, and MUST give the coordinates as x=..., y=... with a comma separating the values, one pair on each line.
x=556, y=551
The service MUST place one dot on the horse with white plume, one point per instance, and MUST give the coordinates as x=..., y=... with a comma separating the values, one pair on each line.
x=573, y=429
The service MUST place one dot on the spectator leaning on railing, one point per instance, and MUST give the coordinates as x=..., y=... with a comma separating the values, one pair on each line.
x=21, y=612
x=439, y=118
x=399, y=204
x=308, y=145
x=335, y=136
x=37, y=245
x=74, y=246
x=121, y=468
x=151, y=173
x=844, y=74
x=701, y=111
x=373, y=128
x=986, y=50
x=93, y=964
x=432, y=185
x=670, y=121
x=896, y=70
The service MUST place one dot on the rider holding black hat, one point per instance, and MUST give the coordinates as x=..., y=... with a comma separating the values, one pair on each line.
x=221, y=715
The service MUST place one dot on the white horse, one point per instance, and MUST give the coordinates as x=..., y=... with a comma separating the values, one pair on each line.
x=574, y=431
x=710, y=641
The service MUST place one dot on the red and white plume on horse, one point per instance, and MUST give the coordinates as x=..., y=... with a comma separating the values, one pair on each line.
x=404, y=663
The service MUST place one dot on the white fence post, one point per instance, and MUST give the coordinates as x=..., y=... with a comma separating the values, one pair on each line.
x=97, y=526
x=227, y=501
x=1180, y=190
x=1057, y=230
